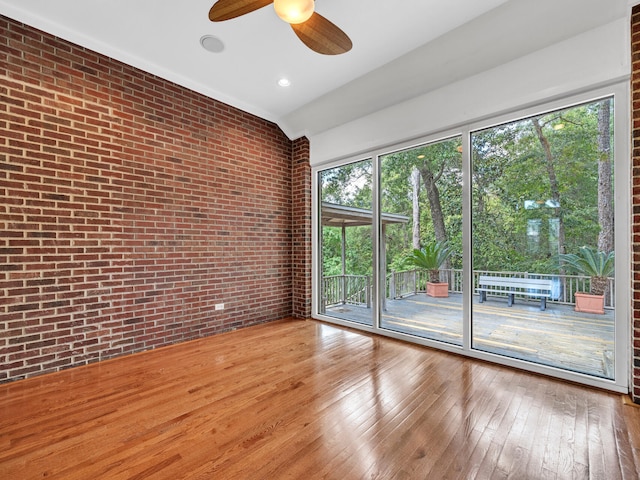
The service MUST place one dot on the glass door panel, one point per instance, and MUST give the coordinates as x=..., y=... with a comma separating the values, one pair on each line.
x=421, y=241
x=346, y=219
x=542, y=226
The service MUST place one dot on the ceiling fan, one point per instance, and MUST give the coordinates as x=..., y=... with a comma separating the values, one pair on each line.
x=315, y=31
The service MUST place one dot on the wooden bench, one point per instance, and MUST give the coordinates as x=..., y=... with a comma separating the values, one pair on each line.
x=530, y=287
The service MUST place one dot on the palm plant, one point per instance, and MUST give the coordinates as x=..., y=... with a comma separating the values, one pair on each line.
x=430, y=258
x=595, y=264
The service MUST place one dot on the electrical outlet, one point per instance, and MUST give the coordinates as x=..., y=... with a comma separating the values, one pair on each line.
x=219, y=306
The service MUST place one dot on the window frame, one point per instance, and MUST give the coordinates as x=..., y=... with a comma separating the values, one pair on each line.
x=619, y=91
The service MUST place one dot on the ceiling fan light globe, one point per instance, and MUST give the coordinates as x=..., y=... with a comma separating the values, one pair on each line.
x=294, y=11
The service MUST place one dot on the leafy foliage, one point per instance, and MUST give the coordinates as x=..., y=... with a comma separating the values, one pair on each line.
x=592, y=263
x=517, y=206
x=430, y=257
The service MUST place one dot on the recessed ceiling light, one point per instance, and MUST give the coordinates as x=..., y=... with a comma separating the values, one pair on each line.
x=212, y=44
x=284, y=82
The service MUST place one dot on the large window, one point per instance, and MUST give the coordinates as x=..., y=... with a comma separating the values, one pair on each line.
x=346, y=217
x=543, y=227
x=488, y=241
x=422, y=249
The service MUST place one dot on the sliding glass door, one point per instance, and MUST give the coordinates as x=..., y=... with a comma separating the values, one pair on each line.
x=502, y=241
x=346, y=219
x=543, y=239
x=421, y=235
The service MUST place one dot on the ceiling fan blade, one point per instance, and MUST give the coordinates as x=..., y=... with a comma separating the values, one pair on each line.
x=228, y=9
x=322, y=36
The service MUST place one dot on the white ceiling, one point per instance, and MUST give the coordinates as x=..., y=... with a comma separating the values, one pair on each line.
x=401, y=48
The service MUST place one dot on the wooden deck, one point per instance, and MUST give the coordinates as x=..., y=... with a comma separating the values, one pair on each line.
x=306, y=400
x=558, y=336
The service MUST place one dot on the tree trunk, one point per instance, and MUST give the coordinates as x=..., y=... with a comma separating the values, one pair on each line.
x=434, y=276
x=553, y=182
x=435, y=206
x=415, y=183
x=605, y=186
x=598, y=285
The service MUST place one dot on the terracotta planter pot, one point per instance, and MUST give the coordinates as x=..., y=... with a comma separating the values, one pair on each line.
x=587, y=303
x=440, y=290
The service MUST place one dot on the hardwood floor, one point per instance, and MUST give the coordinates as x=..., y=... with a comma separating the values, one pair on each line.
x=301, y=399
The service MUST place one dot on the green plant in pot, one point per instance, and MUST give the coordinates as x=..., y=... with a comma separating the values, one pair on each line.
x=598, y=266
x=430, y=258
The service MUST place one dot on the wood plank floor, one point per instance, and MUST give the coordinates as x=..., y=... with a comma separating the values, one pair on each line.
x=305, y=400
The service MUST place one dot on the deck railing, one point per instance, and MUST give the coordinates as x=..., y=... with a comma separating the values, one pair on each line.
x=357, y=289
x=346, y=289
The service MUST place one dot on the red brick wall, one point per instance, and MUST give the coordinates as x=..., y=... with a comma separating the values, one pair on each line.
x=635, y=128
x=129, y=207
x=301, y=229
